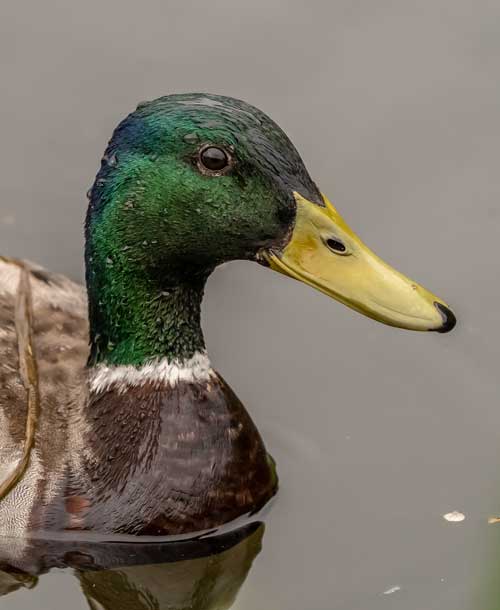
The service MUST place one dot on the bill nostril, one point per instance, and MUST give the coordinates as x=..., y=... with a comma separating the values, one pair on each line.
x=335, y=244
x=448, y=316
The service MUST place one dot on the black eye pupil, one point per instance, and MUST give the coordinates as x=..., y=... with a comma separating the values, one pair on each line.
x=335, y=244
x=214, y=159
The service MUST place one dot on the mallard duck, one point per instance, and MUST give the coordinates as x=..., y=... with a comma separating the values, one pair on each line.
x=139, y=434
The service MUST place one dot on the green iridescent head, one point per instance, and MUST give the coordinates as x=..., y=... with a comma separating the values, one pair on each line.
x=188, y=182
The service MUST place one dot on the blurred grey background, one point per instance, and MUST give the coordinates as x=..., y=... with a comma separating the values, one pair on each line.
x=394, y=107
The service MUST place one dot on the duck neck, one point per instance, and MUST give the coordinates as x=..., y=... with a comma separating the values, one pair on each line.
x=144, y=289
x=138, y=317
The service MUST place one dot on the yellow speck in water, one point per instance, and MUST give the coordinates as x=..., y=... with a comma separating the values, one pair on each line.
x=492, y=520
x=454, y=517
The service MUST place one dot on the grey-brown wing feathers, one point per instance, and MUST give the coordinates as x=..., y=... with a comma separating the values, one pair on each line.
x=60, y=337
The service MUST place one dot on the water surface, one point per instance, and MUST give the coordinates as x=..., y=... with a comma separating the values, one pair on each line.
x=377, y=433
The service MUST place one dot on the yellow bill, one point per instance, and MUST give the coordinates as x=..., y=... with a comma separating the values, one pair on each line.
x=325, y=253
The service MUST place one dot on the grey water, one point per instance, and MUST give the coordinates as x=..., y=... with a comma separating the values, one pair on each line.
x=377, y=433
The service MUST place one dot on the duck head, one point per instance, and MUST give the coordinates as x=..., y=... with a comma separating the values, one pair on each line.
x=191, y=181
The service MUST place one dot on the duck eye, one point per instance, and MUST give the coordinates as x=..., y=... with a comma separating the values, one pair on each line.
x=335, y=245
x=214, y=159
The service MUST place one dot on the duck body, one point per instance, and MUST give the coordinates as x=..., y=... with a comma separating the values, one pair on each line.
x=136, y=431
x=160, y=458
x=177, y=459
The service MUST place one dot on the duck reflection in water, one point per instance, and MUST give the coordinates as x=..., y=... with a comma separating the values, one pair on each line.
x=203, y=574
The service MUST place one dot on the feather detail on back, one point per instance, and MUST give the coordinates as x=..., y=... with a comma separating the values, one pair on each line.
x=60, y=337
